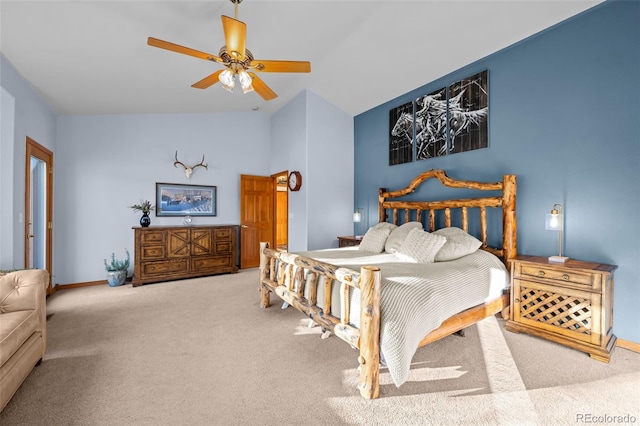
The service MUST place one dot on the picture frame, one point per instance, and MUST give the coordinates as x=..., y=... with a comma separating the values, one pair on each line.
x=175, y=199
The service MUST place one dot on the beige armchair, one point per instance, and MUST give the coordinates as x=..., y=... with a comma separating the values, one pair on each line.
x=23, y=327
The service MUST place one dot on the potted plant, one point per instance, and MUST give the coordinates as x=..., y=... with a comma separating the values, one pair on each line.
x=117, y=269
x=144, y=207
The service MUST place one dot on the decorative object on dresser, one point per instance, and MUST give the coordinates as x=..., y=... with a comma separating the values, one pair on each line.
x=349, y=240
x=554, y=222
x=165, y=253
x=117, y=269
x=145, y=207
x=174, y=199
x=189, y=170
x=569, y=303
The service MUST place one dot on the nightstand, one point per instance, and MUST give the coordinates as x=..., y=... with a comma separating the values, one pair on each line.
x=349, y=241
x=569, y=303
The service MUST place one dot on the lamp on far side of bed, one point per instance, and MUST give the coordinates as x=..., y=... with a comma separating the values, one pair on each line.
x=358, y=217
x=554, y=222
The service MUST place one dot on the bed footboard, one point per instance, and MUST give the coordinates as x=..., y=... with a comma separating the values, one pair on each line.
x=284, y=274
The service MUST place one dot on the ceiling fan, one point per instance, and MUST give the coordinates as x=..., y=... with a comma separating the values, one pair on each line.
x=237, y=59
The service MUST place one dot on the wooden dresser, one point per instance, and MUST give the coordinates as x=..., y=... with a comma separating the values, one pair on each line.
x=164, y=253
x=569, y=303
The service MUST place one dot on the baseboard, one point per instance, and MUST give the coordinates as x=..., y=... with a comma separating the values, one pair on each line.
x=626, y=344
x=84, y=284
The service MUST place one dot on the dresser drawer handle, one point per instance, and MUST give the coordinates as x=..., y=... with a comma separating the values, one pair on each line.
x=565, y=277
x=541, y=273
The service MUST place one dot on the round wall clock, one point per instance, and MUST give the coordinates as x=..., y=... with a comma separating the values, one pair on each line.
x=295, y=181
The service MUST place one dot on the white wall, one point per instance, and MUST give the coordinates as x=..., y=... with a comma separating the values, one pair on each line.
x=32, y=118
x=316, y=138
x=330, y=173
x=106, y=163
x=7, y=113
x=289, y=152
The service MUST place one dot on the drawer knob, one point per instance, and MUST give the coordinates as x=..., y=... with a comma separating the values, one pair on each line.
x=565, y=277
x=541, y=273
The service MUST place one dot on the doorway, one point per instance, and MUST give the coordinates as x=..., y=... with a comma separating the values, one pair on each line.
x=38, y=199
x=263, y=215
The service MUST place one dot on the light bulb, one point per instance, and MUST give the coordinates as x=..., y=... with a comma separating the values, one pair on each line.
x=245, y=81
x=227, y=78
x=553, y=222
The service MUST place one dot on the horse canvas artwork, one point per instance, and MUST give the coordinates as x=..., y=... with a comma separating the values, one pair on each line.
x=401, y=134
x=468, y=112
x=447, y=121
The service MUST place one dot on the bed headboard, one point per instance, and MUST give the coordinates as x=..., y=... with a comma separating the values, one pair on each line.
x=506, y=200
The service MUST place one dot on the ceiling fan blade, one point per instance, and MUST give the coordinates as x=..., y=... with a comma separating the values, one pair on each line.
x=181, y=49
x=261, y=88
x=281, y=66
x=208, y=81
x=235, y=35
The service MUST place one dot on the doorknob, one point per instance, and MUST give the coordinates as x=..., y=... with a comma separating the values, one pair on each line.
x=243, y=226
x=30, y=236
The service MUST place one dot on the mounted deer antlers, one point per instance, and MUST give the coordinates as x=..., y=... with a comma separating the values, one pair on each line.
x=189, y=170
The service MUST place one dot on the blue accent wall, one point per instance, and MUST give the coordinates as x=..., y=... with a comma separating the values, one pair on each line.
x=564, y=109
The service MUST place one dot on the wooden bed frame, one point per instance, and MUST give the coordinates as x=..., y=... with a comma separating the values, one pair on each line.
x=278, y=272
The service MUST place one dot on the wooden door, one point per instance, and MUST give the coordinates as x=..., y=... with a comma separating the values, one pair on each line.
x=256, y=217
x=38, y=200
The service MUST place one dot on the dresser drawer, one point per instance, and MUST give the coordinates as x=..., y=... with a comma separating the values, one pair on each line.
x=559, y=275
x=222, y=234
x=223, y=247
x=207, y=263
x=165, y=267
x=152, y=252
x=152, y=237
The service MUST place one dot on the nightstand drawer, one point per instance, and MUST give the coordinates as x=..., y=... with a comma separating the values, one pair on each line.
x=556, y=274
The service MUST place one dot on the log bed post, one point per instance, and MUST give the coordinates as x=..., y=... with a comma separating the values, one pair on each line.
x=369, y=359
x=265, y=294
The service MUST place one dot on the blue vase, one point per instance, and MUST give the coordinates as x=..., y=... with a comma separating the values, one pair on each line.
x=145, y=220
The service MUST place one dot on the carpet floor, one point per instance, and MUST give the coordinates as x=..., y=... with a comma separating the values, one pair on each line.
x=201, y=352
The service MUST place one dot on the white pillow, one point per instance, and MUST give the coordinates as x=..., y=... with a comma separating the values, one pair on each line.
x=420, y=246
x=459, y=244
x=385, y=225
x=398, y=235
x=374, y=239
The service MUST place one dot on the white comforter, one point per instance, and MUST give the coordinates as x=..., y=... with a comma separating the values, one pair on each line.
x=416, y=298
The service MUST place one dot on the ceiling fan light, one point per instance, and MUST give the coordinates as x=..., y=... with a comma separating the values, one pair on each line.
x=245, y=81
x=227, y=79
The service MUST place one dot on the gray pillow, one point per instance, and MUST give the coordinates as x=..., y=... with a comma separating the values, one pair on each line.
x=459, y=243
x=374, y=239
x=420, y=246
x=398, y=235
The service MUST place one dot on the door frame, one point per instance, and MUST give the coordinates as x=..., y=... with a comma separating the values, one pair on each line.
x=34, y=149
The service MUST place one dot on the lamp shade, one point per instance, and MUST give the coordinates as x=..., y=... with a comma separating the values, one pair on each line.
x=553, y=221
x=357, y=216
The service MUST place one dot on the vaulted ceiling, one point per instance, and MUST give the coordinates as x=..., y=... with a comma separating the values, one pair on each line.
x=91, y=57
